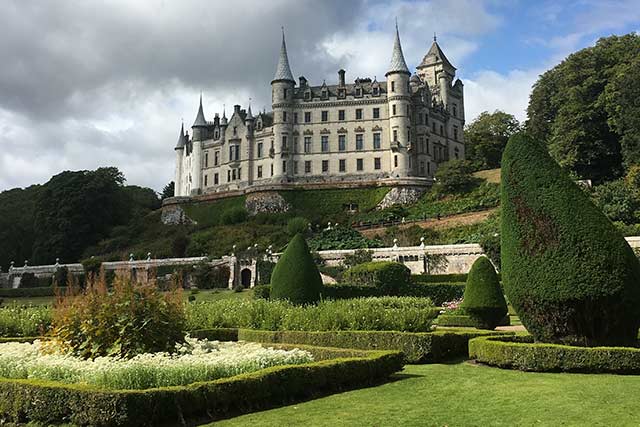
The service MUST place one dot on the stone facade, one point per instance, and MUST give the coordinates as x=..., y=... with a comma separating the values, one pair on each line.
x=401, y=196
x=174, y=215
x=368, y=130
x=265, y=202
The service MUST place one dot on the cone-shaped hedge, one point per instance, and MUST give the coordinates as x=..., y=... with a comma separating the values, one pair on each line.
x=570, y=275
x=483, y=299
x=296, y=277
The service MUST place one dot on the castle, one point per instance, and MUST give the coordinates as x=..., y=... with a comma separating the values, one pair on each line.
x=369, y=132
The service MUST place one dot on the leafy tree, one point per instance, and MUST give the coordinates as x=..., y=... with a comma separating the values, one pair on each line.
x=17, y=210
x=341, y=238
x=486, y=137
x=454, y=176
x=168, y=190
x=586, y=110
x=617, y=201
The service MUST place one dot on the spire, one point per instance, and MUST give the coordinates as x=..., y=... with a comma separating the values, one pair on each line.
x=283, y=71
x=249, y=115
x=398, y=64
x=224, y=115
x=181, y=138
x=200, y=121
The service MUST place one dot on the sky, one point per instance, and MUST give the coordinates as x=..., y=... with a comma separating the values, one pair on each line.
x=87, y=83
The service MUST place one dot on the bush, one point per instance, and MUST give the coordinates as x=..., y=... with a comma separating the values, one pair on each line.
x=92, y=267
x=262, y=291
x=462, y=320
x=522, y=353
x=341, y=238
x=47, y=291
x=61, y=276
x=234, y=215
x=359, y=256
x=455, y=176
x=389, y=277
x=296, y=277
x=440, y=278
x=483, y=299
x=570, y=275
x=27, y=321
x=437, y=292
x=133, y=318
x=50, y=403
x=206, y=276
x=30, y=281
x=297, y=225
x=264, y=269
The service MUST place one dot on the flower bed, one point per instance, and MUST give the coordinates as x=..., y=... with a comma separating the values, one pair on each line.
x=520, y=352
x=24, y=321
x=194, y=361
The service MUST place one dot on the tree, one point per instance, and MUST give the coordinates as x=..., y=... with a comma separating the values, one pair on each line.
x=617, y=201
x=454, y=176
x=483, y=299
x=296, y=277
x=168, y=190
x=585, y=109
x=357, y=257
x=486, y=137
x=567, y=271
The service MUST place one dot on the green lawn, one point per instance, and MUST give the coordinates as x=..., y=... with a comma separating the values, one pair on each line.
x=462, y=394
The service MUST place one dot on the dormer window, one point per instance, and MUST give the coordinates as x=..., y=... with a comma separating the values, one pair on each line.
x=307, y=95
x=325, y=94
x=376, y=91
x=342, y=93
x=358, y=92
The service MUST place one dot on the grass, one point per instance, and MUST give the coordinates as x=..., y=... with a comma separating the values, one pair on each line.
x=208, y=214
x=462, y=394
x=489, y=175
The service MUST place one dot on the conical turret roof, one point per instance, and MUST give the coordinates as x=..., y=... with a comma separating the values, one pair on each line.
x=398, y=64
x=200, y=121
x=249, y=115
x=283, y=71
x=181, y=139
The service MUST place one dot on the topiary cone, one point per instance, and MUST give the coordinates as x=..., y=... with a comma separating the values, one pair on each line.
x=483, y=299
x=570, y=275
x=296, y=277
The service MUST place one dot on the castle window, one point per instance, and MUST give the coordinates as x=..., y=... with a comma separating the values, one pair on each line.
x=426, y=119
x=433, y=127
x=216, y=179
x=455, y=110
x=342, y=142
x=441, y=130
x=342, y=165
x=360, y=165
x=235, y=130
x=376, y=141
x=259, y=171
x=295, y=144
x=271, y=169
x=228, y=176
x=307, y=166
x=295, y=168
x=325, y=94
x=359, y=141
x=422, y=170
x=456, y=152
x=284, y=142
x=376, y=91
x=428, y=168
x=393, y=110
x=284, y=166
x=340, y=114
x=239, y=173
x=426, y=144
x=395, y=135
x=286, y=93
x=206, y=159
x=325, y=166
x=216, y=134
x=233, y=174
x=393, y=86
x=206, y=179
x=325, y=116
x=376, y=113
x=358, y=113
x=284, y=116
x=260, y=152
x=307, y=144
x=307, y=95
x=358, y=92
x=307, y=116
x=377, y=164
x=455, y=133
x=324, y=143
x=295, y=117
x=342, y=93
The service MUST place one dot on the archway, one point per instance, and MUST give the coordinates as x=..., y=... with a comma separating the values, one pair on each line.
x=245, y=278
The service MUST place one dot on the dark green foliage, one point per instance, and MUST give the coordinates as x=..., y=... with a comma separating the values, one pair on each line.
x=423, y=347
x=43, y=291
x=179, y=245
x=168, y=190
x=463, y=320
x=28, y=280
x=486, y=137
x=264, y=269
x=92, y=267
x=61, y=276
x=359, y=256
x=297, y=225
x=584, y=109
x=618, y=201
x=234, y=215
x=437, y=292
x=296, y=277
x=389, y=277
x=55, y=403
x=262, y=291
x=521, y=353
x=17, y=214
x=219, y=334
x=454, y=176
x=490, y=244
x=341, y=238
x=440, y=278
x=206, y=276
x=568, y=272
x=483, y=299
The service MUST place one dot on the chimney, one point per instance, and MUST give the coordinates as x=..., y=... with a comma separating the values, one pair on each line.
x=303, y=81
x=236, y=109
x=341, y=78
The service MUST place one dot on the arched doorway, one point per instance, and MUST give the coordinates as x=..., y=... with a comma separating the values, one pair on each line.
x=245, y=278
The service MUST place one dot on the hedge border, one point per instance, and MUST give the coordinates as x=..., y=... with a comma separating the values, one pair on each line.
x=463, y=320
x=417, y=347
x=47, y=291
x=520, y=352
x=50, y=402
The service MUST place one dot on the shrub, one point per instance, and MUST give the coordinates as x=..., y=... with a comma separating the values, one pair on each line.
x=438, y=292
x=522, y=353
x=61, y=276
x=264, y=269
x=206, y=276
x=47, y=291
x=92, y=267
x=234, y=215
x=359, y=256
x=440, y=278
x=28, y=280
x=296, y=277
x=455, y=176
x=483, y=299
x=463, y=320
x=179, y=245
x=388, y=276
x=133, y=318
x=262, y=291
x=27, y=321
x=568, y=272
x=297, y=225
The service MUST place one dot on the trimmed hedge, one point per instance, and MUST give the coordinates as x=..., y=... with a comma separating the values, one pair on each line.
x=567, y=270
x=388, y=276
x=417, y=347
x=296, y=277
x=463, y=320
x=440, y=278
x=483, y=298
x=48, y=291
x=262, y=291
x=47, y=402
x=219, y=334
x=520, y=352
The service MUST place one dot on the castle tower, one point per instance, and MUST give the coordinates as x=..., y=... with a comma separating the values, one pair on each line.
x=249, y=122
x=177, y=187
x=199, y=133
x=282, y=88
x=399, y=99
x=436, y=70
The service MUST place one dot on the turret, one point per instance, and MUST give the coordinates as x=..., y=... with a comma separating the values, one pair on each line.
x=179, y=156
x=199, y=125
x=399, y=99
x=199, y=131
x=282, y=88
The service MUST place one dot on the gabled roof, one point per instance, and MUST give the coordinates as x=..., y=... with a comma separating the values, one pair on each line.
x=283, y=71
x=435, y=56
x=200, y=121
x=398, y=64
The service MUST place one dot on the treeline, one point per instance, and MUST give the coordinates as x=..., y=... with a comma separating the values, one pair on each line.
x=68, y=214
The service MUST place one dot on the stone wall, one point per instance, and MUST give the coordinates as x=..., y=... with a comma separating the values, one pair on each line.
x=266, y=202
x=174, y=215
x=401, y=196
